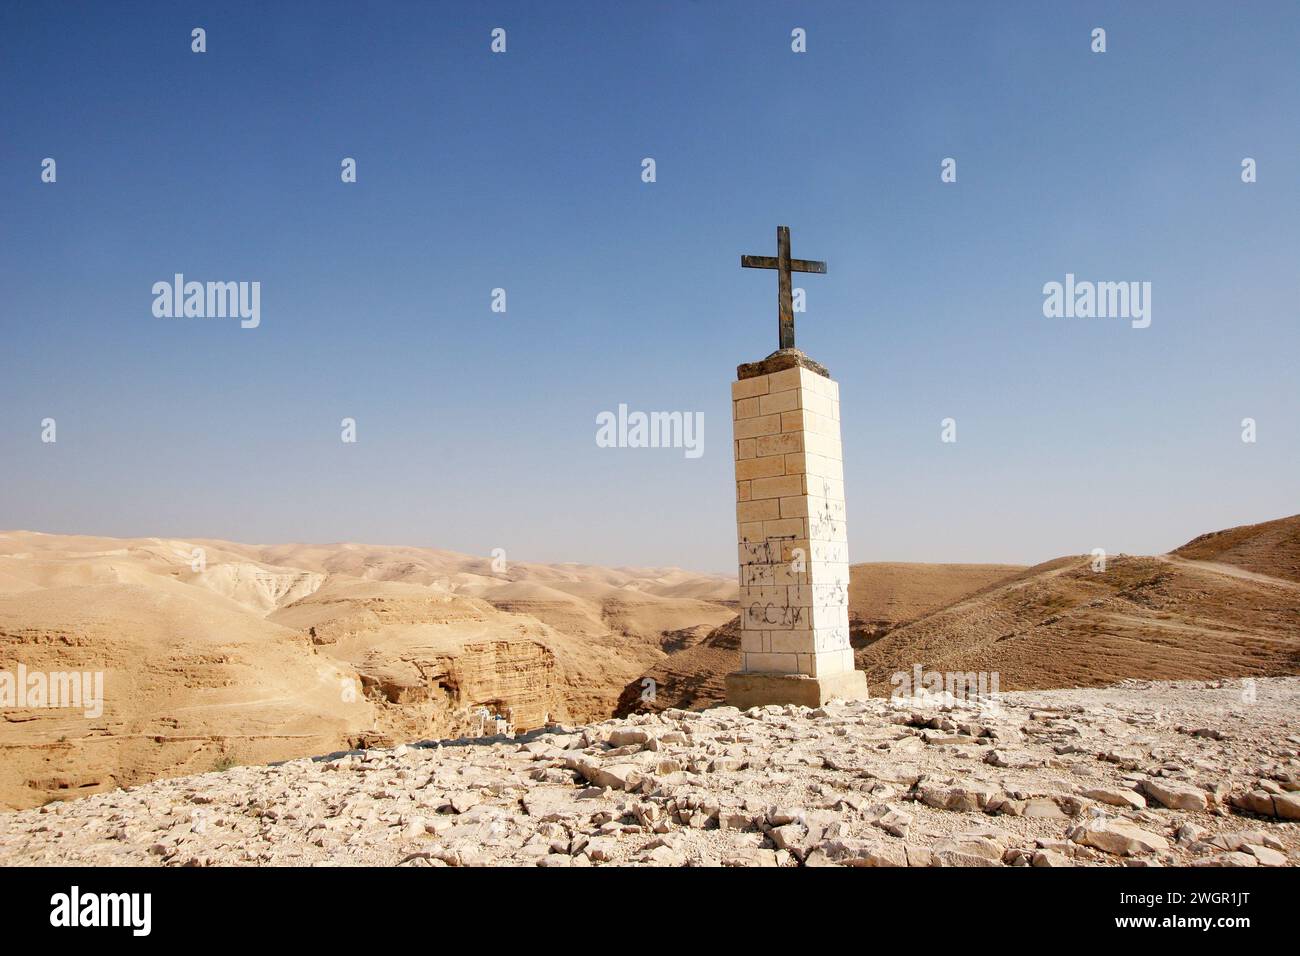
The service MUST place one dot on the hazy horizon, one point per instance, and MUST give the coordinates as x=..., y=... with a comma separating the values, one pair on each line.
x=526, y=559
x=523, y=171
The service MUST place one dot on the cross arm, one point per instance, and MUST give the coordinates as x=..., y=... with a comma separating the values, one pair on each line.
x=770, y=262
x=808, y=265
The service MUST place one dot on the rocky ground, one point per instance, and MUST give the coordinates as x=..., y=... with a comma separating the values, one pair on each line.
x=1186, y=773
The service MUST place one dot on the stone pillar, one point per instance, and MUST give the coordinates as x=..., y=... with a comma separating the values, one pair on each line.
x=794, y=562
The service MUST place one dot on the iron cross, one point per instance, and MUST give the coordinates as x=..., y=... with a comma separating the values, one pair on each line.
x=783, y=265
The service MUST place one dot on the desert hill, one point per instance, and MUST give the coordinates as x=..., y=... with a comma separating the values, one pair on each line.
x=1271, y=548
x=1059, y=624
x=1065, y=625
x=1167, y=617
x=884, y=595
x=215, y=653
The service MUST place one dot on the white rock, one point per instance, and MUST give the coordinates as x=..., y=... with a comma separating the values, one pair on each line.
x=1117, y=797
x=1119, y=837
x=1175, y=795
x=1266, y=855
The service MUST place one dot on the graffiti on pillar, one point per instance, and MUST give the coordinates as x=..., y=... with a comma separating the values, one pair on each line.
x=775, y=615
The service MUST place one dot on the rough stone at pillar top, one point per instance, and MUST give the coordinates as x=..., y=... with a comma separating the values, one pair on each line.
x=778, y=360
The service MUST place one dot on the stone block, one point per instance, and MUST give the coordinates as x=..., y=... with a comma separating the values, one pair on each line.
x=755, y=689
x=749, y=387
x=778, y=402
x=758, y=427
x=770, y=466
x=780, y=444
x=762, y=510
x=770, y=663
x=787, y=378
x=777, y=487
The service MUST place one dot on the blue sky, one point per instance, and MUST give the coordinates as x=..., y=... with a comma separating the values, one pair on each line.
x=477, y=430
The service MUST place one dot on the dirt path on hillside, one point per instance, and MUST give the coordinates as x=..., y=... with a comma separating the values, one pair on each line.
x=1229, y=570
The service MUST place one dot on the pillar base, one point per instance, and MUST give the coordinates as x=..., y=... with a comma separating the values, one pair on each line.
x=746, y=689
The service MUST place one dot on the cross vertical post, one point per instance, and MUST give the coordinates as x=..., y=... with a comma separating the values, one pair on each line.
x=784, y=306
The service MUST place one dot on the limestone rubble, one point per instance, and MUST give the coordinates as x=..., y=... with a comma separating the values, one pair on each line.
x=1180, y=773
